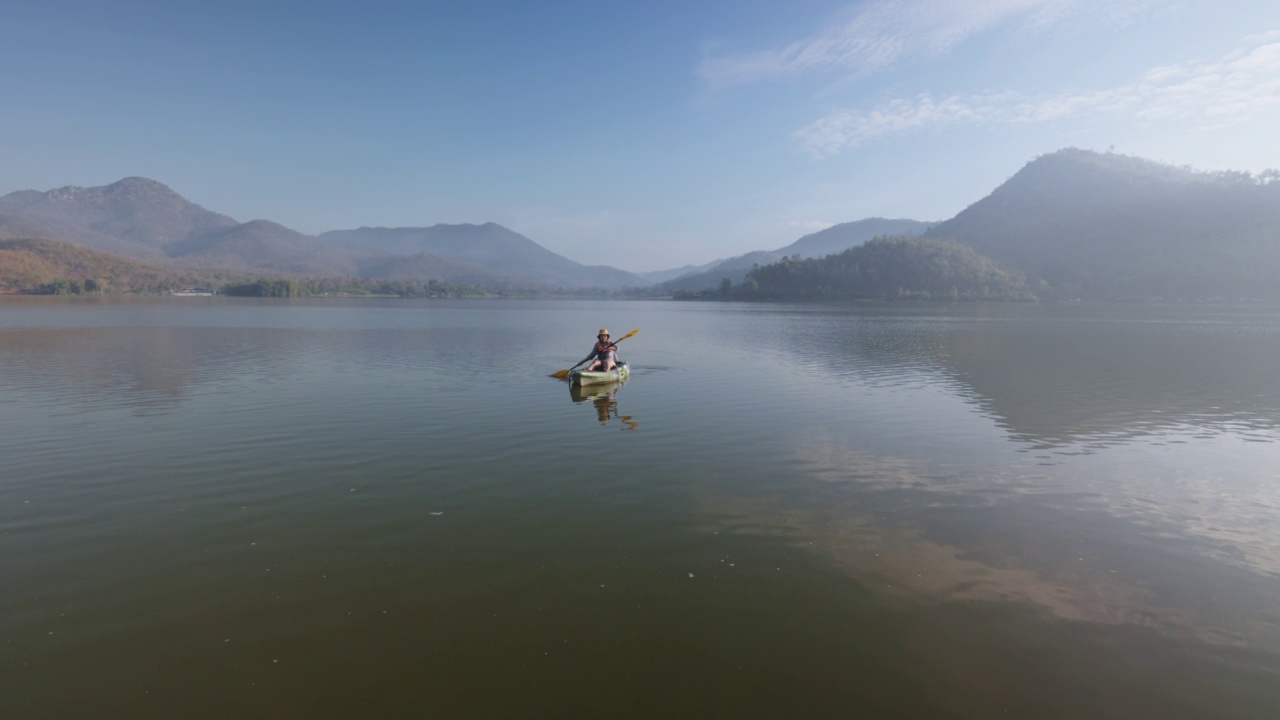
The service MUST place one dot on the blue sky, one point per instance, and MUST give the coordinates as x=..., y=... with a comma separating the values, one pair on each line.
x=640, y=135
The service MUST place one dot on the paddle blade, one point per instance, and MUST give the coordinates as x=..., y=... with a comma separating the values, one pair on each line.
x=560, y=375
x=624, y=337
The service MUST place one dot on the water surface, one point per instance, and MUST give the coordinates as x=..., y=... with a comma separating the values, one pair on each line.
x=213, y=507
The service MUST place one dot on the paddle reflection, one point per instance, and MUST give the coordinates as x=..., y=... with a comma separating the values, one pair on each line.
x=605, y=399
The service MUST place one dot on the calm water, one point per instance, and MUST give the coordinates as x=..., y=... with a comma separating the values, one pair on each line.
x=221, y=508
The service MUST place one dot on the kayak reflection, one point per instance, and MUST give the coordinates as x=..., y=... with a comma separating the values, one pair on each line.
x=605, y=399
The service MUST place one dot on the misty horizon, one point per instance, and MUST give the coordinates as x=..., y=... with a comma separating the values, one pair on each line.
x=739, y=131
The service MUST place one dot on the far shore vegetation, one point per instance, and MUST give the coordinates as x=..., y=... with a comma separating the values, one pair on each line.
x=883, y=269
x=51, y=267
x=1072, y=225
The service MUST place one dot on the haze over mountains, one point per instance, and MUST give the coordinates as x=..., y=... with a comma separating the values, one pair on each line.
x=1071, y=225
x=145, y=220
x=489, y=246
x=1075, y=223
x=1112, y=226
x=834, y=239
x=135, y=217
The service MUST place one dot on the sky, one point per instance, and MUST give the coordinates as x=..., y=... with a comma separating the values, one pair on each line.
x=645, y=136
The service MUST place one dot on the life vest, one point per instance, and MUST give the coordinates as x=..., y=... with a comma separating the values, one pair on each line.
x=604, y=350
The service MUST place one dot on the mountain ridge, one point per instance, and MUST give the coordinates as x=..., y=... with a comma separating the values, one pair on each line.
x=142, y=219
x=1112, y=226
x=1075, y=223
x=487, y=245
x=828, y=241
x=135, y=217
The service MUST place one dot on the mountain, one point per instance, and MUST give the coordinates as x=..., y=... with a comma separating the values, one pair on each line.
x=887, y=268
x=30, y=265
x=735, y=268
x=260, y=245
x=1075, y=223
x=834, y=239
x=655, y=277
x=489, y=246
x=17, y=227
x=135, y=217
x=424, y=267
x=145, y=220
x=1102, y=225
x=839, y=238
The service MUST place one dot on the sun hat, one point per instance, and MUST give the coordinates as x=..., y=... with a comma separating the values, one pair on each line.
x=603, y=331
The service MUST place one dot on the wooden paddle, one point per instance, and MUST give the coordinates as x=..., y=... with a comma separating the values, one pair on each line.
x=562, y=374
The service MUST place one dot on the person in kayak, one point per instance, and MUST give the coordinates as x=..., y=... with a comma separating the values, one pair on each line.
x=604, y=352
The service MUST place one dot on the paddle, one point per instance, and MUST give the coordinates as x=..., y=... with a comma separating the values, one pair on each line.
x=562, y=374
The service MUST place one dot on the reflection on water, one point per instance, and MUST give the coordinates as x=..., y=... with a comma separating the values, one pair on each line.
x=1190, y=389
x=937, y=540
x=604, y=398
x=1084, y=377
x=378, y=508
x=1105, y=383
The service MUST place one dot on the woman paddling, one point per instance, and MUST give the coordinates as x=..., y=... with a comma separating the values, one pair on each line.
x=604, y=352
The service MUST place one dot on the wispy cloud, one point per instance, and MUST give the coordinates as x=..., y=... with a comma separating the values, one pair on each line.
x=1233, y=89
x=879, y=34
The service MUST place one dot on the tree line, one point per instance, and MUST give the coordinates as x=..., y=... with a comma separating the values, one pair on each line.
x=885, y=268
x=320, y=287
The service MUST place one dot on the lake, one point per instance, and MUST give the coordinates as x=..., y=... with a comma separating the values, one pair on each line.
x=215, y=507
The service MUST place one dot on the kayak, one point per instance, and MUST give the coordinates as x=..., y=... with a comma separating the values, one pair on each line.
x=597, y=377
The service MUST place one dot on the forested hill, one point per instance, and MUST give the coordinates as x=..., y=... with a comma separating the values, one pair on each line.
x=1108, y=226
x=49, y=266
x=814, y=245
x=886, y=269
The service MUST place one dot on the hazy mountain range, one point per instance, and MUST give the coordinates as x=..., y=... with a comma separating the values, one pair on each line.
x=144, y=220
x=1075, y=223
x=1071, y=224
x=1109, y=226
x=834, y=239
